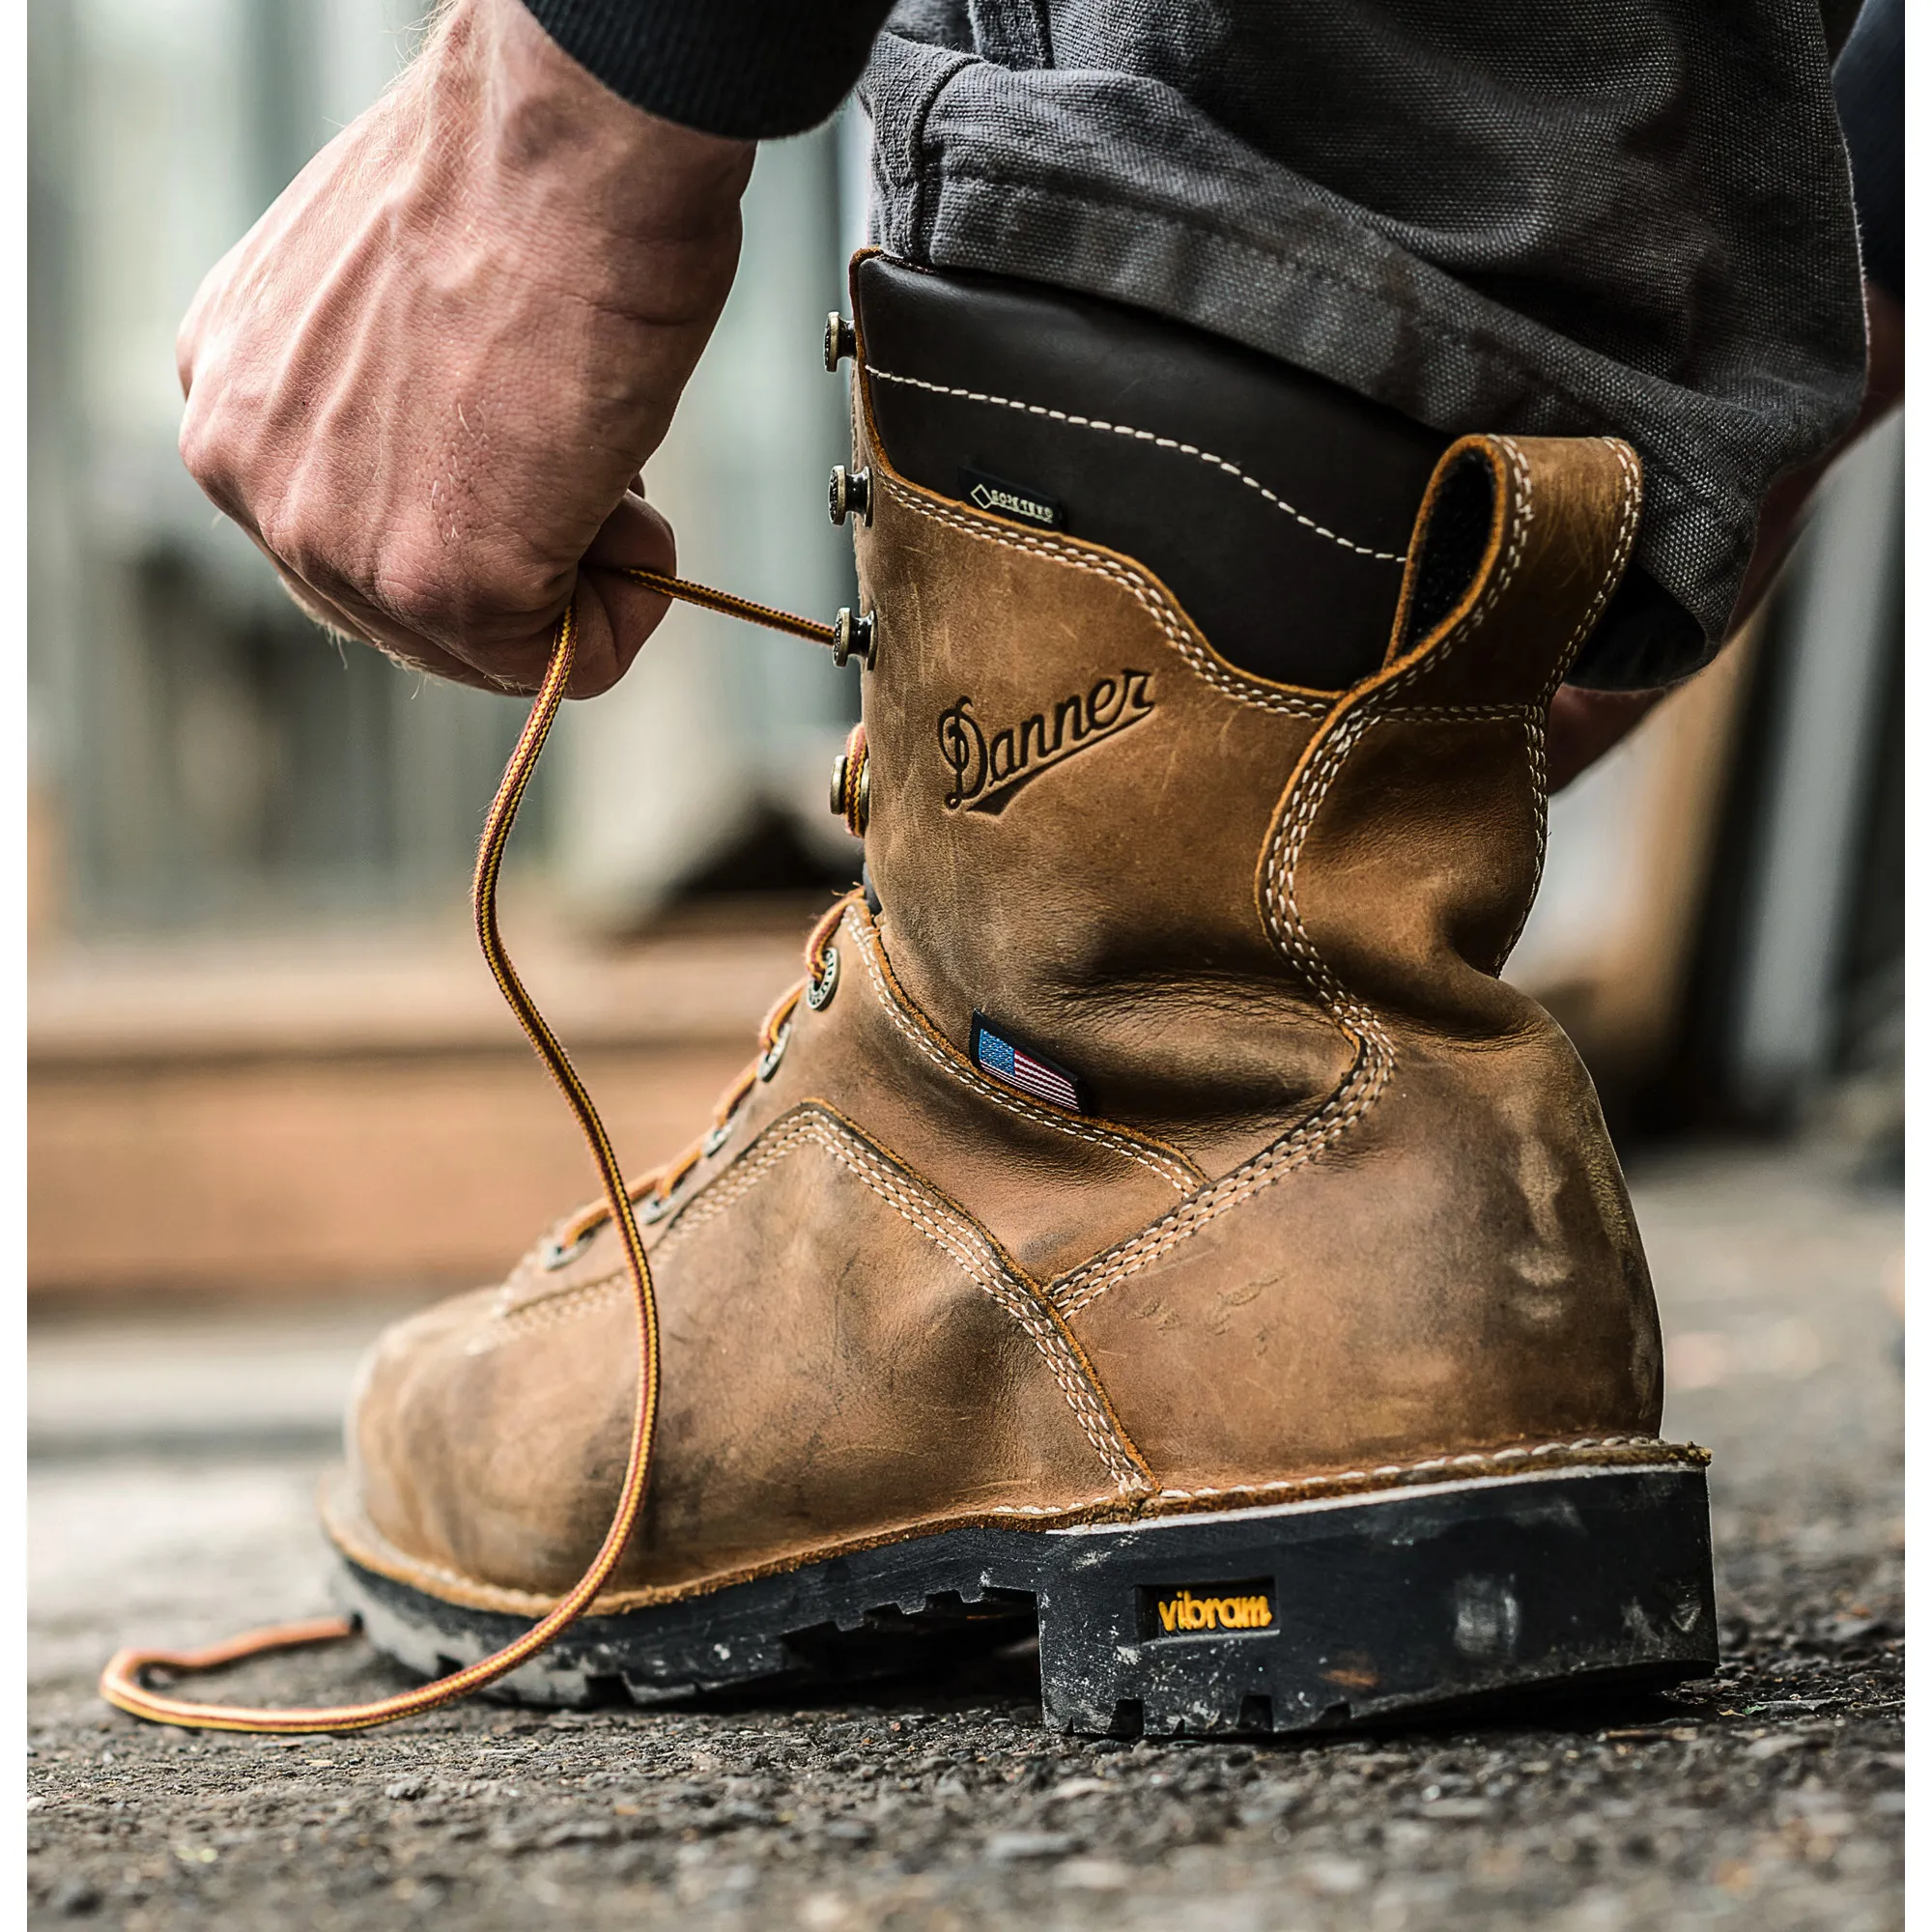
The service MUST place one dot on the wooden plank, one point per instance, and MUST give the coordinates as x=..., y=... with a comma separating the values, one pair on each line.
x=277, y=1176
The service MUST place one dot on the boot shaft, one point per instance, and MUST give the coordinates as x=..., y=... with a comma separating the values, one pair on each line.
x=1157, y=1155
x=1201, y=894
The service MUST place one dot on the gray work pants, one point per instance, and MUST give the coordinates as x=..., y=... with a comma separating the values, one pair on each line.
x=1552, y=217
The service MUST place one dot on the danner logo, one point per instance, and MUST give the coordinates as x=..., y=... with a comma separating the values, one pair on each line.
x=1181, y=1610
x=986, y=772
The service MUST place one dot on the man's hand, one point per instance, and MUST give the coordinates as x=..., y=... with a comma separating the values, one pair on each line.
x=426, y=381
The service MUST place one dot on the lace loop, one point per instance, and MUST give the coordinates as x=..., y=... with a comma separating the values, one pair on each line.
x=123, y=1682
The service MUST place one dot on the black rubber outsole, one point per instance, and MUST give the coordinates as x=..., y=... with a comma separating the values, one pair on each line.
x=1303, y=1616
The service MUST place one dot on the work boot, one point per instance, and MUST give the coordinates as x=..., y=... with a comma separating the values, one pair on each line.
x=1152, y=1215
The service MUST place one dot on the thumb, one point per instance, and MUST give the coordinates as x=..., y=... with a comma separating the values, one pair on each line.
x=614, y=615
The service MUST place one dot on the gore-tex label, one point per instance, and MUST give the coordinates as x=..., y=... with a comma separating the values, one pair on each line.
x=1001, y=499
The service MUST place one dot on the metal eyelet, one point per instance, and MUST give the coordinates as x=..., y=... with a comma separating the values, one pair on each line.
x=653, y=1208
x=856, y=637
x=768, y=1062
x=852, y=784
x=841, y=341
x=819, y=989
x=552, y=1255
x=850, y=493
x=718, y=1136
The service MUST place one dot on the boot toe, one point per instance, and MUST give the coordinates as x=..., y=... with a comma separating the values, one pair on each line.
x=478, y=1449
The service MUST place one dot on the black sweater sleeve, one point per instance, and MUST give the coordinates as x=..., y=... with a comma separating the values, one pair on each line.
x=747, y=68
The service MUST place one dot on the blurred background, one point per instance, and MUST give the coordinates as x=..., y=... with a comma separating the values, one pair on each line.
x=275, y=1100
x=266, y=1067
x=263, y=1055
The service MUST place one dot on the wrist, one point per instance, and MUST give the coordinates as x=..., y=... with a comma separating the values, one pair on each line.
x=582, y=164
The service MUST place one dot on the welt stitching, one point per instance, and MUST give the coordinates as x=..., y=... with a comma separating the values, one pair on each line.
x=1148, y=436
x=530, y=1603
x=1175, y=1175
x=1649, y=1447
x=967, y=1248
x=1051, y=1509
x=1261, y=698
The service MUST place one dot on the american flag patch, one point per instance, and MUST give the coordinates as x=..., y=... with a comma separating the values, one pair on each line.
x=1000, y=1056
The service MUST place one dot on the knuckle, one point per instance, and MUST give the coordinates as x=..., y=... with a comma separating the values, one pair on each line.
x=285, y=534
x=418, y=590
x=460, y=592
x=202, y=447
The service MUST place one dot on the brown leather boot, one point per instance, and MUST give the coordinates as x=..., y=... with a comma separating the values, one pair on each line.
x=1153, y=1213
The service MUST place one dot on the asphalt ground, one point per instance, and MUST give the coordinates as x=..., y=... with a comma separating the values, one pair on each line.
x=1770, y=1795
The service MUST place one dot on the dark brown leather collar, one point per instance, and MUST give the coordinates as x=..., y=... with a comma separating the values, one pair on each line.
x=1275, y=506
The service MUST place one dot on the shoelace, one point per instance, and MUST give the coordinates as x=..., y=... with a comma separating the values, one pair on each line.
x=652, y=1192
x=123, y=1683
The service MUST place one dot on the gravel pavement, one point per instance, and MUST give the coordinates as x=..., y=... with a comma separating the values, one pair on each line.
x=1769, y=1796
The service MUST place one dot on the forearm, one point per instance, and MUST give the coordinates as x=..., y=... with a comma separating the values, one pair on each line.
x=425, y=380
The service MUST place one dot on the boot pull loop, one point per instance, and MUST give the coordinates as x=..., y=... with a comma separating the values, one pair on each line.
x=1520, y=544
x=123, y=1682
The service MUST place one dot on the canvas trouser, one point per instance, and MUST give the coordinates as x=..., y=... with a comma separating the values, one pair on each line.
x=1631, y=219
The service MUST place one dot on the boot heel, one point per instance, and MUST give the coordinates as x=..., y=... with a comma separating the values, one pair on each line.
x=1317, y=1614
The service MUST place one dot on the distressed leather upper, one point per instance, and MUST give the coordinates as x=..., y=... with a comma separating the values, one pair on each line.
x=1342, y=1204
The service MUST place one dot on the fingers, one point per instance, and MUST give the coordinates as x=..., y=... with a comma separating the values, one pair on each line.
x=423, y=380
x=409, y=652
x=614, y=615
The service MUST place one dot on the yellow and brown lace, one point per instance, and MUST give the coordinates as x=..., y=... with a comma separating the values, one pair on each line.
x=123, y=1683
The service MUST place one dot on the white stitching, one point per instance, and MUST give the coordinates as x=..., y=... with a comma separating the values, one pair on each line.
x=1523, y=514
x=544, y=1312
x=1146, y=436
x=1142, y=588
x=967, y=1247
x=1458, y=714
x=1619, y=558
x=959, y=1239
x=1646, y=1445
x=1182, y=1178
x=1048, y=1509
x=1537, y=724
x=1367, y=1074
x=1374, y=1056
